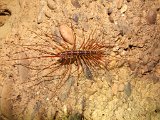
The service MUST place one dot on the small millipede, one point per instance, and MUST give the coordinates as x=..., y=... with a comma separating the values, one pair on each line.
x=86, y=58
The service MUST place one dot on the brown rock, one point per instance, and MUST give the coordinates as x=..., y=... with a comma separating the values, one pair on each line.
x=75, y=3
x=51, y=4
x=121, y=87
x=119, y=4
x=66, y=33
x=152, y=16
x=132, y=65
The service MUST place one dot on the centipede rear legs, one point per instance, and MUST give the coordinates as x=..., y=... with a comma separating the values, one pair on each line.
x=64, y=77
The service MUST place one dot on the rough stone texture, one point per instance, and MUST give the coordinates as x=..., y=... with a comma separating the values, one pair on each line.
x=129, y=90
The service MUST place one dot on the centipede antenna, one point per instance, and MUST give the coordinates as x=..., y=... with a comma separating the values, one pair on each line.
x=48, y=40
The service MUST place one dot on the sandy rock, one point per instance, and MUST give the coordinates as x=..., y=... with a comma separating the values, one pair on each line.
x=5, y=101
x=119, y=3
x=127, y=89
x=121, y=87
x=152, y=16
x=67, y=33
x=124, y=8
x=115, y=88
x=51, y=4
x=75, y=3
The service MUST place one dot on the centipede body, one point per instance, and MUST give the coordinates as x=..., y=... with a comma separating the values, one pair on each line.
x=68, y=57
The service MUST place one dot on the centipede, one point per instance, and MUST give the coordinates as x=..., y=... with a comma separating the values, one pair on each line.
x=66, y=57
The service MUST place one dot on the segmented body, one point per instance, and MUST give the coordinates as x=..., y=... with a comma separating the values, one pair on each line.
x=69, y=57
x=79, y=53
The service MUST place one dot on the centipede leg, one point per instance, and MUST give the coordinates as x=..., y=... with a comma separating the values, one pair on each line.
x=63, y=43
x=86, y=69
x=83, y=46
x=90, y=44
x=46, y=75
x=83, y=42
x=93, y=64
x=88, y=61
x=66, y=70
x=49, y=66
x=99, y=63
x=63, y=79
x=78, y=64
x=50, y=42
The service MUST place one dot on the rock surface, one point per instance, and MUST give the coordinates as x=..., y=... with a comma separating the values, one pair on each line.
x=128, y=90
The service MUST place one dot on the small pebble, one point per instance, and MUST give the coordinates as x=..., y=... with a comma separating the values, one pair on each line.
x=75, y=3
x=4, y=15
x=115, y=88
x=65, y=110
x=151, y=65
x=100, y=84
x=111, y=19
x=41, y=13
x=48, y=13
x=121, y=63
x=88, y=73
x=40, y=17
x=124, y=8
x=145, y=59
x=157, y=110
x=121, y=87
x=127, y=89
x=132, y=65
x=51, y=4
x=67, y=33
x=109, y=11
x=129, y=109
x=157, y=69
x=63, y=96
x=154, y=77
x=123, y=28
x=119, y=4
x=75, y=18
x=152, y=16
x=91, y=88
x=115, y=49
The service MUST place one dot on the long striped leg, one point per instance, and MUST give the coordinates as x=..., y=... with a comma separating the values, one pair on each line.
x=84, y=40
x=46, y=75
x=63, y=80
x=84, y=44
x=67, y=70
x=87, y=66
x=98, y=63
x=78, y=66
x=90, y=64
x=89, y=40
